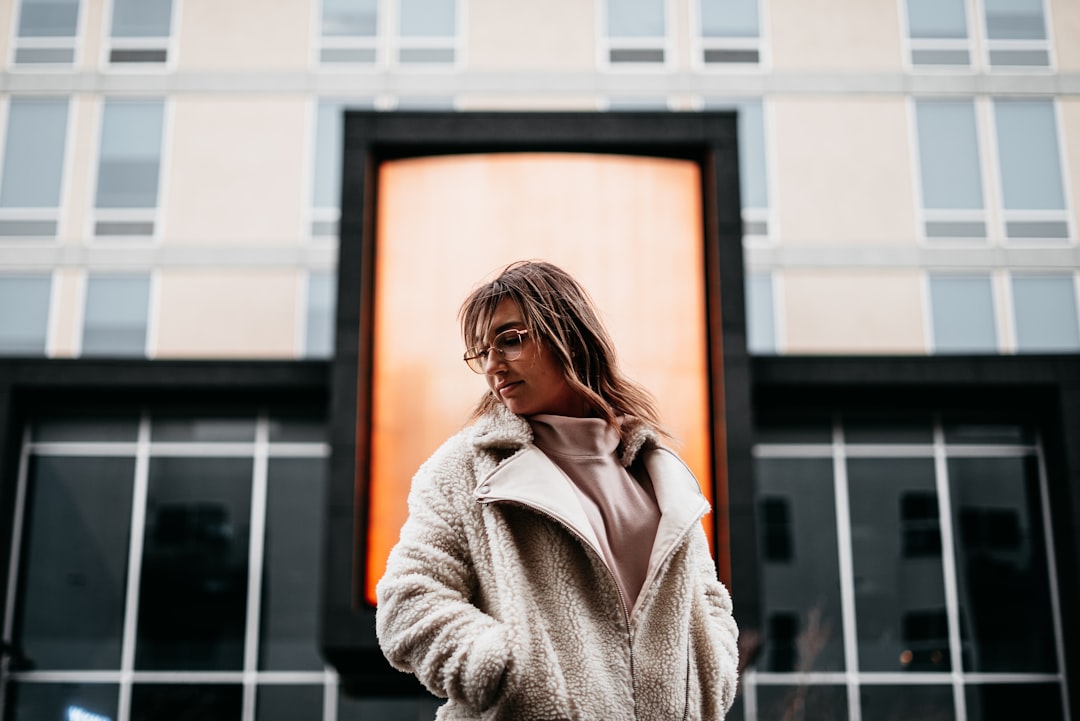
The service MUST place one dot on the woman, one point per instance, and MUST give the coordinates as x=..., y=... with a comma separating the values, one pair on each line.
x=553, y=565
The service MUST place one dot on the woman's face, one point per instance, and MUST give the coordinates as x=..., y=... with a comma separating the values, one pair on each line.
x=533, y=383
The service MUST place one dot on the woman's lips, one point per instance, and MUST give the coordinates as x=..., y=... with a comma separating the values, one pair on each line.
x=508, y=387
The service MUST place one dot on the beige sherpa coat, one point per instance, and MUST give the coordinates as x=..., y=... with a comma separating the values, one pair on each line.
x=497, y=596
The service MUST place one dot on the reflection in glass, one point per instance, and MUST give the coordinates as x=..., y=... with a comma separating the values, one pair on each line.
x=74, y=563
x=804, y=594
x=186, y=702
x=808, y=703
x=907, y=703
x=1007, y=702
x=193, y=593
x=29, y=701
x=1001, y=566
x=896, y=554
x=291, y=562
x=288, y=703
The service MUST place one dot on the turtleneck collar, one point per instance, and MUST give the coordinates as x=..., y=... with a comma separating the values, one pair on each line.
x=574, y=437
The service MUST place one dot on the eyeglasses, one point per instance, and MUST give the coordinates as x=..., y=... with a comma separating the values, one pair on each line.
x=507, y=344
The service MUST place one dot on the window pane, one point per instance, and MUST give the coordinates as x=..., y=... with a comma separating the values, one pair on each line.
x=356, y=18
x=1015, y=20
x=193, y=596
x=907, y=703
x=949, y=154
x=635, y=18
x=802, y=596
x=286, y=427
x=962, y=309
x=48, y=18
x=74, y=562
x=761, y=331
x=76, y=428
x=321, y=294
x=427, y=18
x=1008, y=701
x=811, y=703
x=290, y=599
x=115, y=317
x=896, y=553
x=184, y=702
x=130, y=154
x=936, y=19
x=1045, y=310
x=1028, y=153
x=888, y=427
x=34, y=153
x=288, y=703
x=386, y=709
x=1001, y=566
x=29, y=701
x=202, y=429
x=24, y=313
x=141, y=18
x=729, y=18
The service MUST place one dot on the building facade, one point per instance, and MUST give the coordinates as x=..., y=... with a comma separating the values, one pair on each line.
x=171, y=179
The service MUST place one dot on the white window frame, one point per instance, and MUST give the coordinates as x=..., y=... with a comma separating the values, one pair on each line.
x=701, y=45
x=63, y=42
x=912, y=45
x=168, y=45
x=375, y=43
x=455, y=44
x=990, y=46
x=607, y=44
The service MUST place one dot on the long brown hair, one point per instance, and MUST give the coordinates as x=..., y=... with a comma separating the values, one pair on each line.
x=558, y=310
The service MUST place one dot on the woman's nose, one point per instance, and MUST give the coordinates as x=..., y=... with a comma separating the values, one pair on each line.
x=493, y=362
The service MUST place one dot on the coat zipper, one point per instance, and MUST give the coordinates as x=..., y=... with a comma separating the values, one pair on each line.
x=618, y=589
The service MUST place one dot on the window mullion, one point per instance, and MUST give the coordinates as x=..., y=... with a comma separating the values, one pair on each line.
x=847, y=572
x=256, y=547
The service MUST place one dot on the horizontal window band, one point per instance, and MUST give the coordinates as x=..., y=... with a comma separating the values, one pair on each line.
x=27, y=228
x=139, y=56
x=123, y=228
x=1037, y=229
x=955, y=229
x=347, y=55
x=636, y=55
x=940, y=57
x=716, y=56
x=426, y=55
x=44, y=56
x=1020, y=58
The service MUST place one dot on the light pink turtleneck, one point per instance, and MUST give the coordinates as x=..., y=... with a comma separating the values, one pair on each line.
x=621, y=508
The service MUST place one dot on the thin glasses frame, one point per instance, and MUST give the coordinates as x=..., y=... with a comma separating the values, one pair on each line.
x=508, y=344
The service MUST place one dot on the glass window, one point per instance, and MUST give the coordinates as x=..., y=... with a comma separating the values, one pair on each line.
x=428, y=18
x=326, y=184
x=182, y=702
x=349, y=29
x=140, y=31
x=760, y=315
x=1029, y=154
x=193, y=594
x=908, y=703
x=1001, y=566
x=1016, y=33
x=30, y=701
x=1044, y=308
x=896, y=556
x=289, y=703
x=24, y=313
x=115, y=316
x=33, y=167
x=321, y=292
x=46, y=32
x=74, y=562
x=636, y=31
x=202, y=429
x=962, y=313
x=813, y=703
x=938, y=34
x=130, y=162
x=805, y=590
x=950, y=171
x=729, y=18
x=291, y=562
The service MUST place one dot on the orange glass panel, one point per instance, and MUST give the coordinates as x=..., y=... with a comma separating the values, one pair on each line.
x=629, y=228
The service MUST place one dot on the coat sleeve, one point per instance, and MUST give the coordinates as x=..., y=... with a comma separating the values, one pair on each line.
x=426, y=622
x=717, y=637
